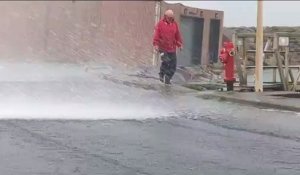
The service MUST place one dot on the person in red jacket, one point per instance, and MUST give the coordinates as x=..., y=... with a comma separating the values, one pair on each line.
x=166, y=40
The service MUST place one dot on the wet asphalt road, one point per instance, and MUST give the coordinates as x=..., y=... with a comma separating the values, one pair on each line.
x=153, y=146
x=103, y=127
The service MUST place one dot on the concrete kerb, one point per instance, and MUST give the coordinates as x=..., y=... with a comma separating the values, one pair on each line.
x=259, y=104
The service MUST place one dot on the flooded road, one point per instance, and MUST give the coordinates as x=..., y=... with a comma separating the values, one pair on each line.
x=152, y=146
x=58, y=122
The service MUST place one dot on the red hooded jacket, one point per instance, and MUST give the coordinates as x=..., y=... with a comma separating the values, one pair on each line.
x=167, y=36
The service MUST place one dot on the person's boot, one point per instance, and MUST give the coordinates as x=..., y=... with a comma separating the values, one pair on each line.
x=167, y=80
x=161, y=78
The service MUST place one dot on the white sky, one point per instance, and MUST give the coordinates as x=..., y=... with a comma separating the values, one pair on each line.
x=243, y=13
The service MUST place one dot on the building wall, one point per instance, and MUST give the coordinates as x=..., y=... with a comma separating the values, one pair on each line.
x=21, y=29
x=49, y=31
x=112, y=31
x=118, y=32
x=128, y=27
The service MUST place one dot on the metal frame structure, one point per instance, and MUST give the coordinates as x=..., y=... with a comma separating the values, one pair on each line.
x=283, y=67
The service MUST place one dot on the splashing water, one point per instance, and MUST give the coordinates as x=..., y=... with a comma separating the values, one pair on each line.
x=60, y=91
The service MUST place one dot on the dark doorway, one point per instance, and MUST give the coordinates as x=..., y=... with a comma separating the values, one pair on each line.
x=214, y=36
x=192, y=33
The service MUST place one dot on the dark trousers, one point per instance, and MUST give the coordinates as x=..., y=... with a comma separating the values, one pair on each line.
x=168, y=65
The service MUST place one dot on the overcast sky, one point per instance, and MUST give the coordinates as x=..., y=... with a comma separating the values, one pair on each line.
x=243, y=13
